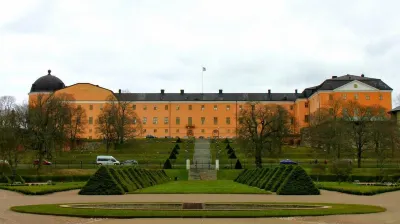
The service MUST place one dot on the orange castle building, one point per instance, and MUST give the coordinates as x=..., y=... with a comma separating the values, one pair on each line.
x=181, y=114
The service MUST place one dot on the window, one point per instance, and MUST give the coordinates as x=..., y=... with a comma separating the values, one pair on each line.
x=155, y=130
x=228, y=107
x=229, y=130
x=90, y=130
x=177, y=130
x=215, y=107
x=367, y=97
x=155, y=107
x=177, y=107
x=78, y=120
x=253, y=107
x=380, y=97
x=203, y=120
x=292, y=120
x=155, y=120
x=215, y=120
x=202, y=107
x=165, y=120
x=166, y=131
x=178, y=120
x=228, y=120
x=190, y=107
x=344, y=96
x=291, y=107
x=306, y=104
x=134, y=120
x=356, y=96
x=144, y=120
x=202, y=131
x=330, y=97
x=90, y=107
x=166, y=107
x=134, y=106
x=189, y=120
x=306, y=118
x=90, y=120
x=240, y=107
x=355, y=86
x=144, y=107
x=144, y=130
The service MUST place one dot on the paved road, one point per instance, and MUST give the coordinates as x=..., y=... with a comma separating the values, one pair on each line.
x=388, y=200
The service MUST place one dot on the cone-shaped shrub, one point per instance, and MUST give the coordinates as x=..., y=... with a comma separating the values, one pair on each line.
x=177, y=147
x=230, y=151
x=172, y=156
x=275, y=177
x=102, y=183
x=167, y=164
x=232, y=156
x=298, y=182
x=282, y=178
x=238, y=165
x=226, y=140
x=228, y=146
x=178, y=140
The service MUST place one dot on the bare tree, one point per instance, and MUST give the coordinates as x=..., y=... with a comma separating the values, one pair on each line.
x=76, y=125
x=262, y=128
x=106, y=125
x=48, y=119
x=13, y=131
x=128, y=124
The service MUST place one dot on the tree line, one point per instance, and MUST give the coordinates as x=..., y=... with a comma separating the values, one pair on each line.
x=52, y=123
x=339, y=130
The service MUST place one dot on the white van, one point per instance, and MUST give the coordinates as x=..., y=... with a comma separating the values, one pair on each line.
x=106, y=160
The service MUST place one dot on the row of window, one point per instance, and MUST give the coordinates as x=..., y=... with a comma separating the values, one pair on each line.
x=190, y=107
x=177, y=131
x=356, y=97
x=178, y=120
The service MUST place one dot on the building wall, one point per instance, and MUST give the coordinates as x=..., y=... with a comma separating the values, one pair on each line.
x=162, y=116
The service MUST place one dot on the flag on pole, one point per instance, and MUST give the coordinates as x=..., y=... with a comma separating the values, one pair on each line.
x=204, y=69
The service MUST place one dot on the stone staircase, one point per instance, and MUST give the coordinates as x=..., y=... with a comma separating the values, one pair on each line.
x=202, y=167
x=202, y=174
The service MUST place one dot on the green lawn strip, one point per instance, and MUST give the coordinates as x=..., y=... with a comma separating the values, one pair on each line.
x=351, y=188
x=44, y=189
x=336, y=209
x=201, y=187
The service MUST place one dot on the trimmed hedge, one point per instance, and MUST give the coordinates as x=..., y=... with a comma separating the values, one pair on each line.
x=4, y=179
x=55, y=178
x=282, y=178
x=259, y=177
x=356, y=192
x=102, y=183
x=274, y=178
x=111, y=181
x=298, y=182
x=266, y=178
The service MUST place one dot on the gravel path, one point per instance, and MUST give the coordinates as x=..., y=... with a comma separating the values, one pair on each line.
x=387, y=200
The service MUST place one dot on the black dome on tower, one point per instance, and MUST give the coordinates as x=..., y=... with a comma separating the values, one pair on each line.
x=47, y=83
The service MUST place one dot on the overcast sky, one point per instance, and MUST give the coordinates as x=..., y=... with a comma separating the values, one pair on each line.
x=246, y=46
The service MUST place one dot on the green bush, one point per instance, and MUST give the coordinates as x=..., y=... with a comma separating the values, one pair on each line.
x=138, y=180
x=240, y=175
x=357, y=192
x=232, y=156
x=178, y=140
x=102, y=183
x=282, y=178
x=257, y=180
x=263, y=177
x=167, y=164
x=274, y=178
x=268, y=177
x=228, y=147
x=176, y=147
x=298, y=183
x=56, y=178
x=4, y=179
x=248, y=176
x=18, y=178
x=238, y=165
x=172, y=155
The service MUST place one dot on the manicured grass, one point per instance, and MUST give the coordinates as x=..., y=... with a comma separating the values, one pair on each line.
x=335, y=209
x=228, y=174
x=44, y=189
x=201, y=187
x=351, y=188
x=181, y=174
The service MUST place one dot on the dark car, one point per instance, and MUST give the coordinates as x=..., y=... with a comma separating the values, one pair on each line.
x=288, y=161
x=44, y=162
x=150, y=136
x=130, y=162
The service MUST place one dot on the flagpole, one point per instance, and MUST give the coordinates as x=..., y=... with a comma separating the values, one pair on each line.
x=202, y=77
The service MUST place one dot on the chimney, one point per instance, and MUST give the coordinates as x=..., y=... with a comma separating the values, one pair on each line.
x=162, y=92
x=362, y=75
x=119, y=91
x=220, y=91
x=295, y=91
x=269, y=92
x=182, y=91
x=334, y=77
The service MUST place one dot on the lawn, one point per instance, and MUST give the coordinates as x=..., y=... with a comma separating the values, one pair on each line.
x=201, y=187
x=334, y=209
x=44, y=189
x=356, y=189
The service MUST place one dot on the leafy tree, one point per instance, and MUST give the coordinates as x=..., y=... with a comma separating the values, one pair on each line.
x=318, y=169
x=262, y=127
x=342, y=169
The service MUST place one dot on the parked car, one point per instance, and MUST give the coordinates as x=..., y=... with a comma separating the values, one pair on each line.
x=130, y=162
x=44, y=162
x=106, y=160
x=150, y=136
x=288, y=161
x=3, y=162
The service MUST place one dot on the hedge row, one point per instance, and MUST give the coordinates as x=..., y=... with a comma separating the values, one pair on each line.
x=8, y=180
x=361, y=178
x=55, y=178
x=27, y=191
x=113, y=181
x=285, y=180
